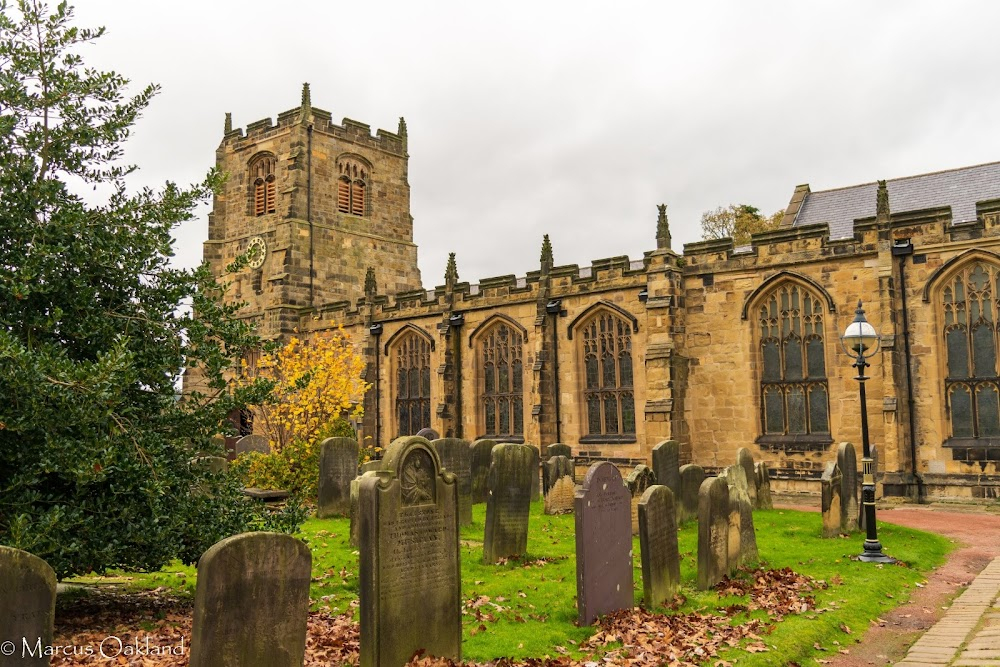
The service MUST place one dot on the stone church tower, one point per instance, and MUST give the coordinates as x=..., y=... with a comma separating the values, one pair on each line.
x=312, y=204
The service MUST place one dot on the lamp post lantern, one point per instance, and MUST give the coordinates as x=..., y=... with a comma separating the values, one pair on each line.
x=861, y=342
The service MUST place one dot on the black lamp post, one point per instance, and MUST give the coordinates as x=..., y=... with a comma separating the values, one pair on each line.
x=860, y=341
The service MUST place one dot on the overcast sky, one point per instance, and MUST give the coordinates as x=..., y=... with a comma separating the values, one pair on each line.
x=572, y=118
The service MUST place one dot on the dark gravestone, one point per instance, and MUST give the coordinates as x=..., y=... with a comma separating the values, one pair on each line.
x=692, y=477
x=410, y=594
x=428, y=434
x=253, y=443
x=27, y=607
x=456, y=457
x=559, y=449
x=713, y=532
x=741, y=517
x=535, y=471
x=252, y=602
x=481, y=451
x=556, y=467
x=745, y=459
x=603, y=544
x=830, y=500
x=847, y=461
x=666, y=466
x=508, y=501
x=338, y=465
x=763, y=482
x=637, y=482
x=661, y=565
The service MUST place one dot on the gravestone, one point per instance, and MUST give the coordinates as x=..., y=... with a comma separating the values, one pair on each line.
x=850, y=486
x=692, y=477
x=666, y=466
x=535, y=471
x=368, y=466
x=480, y=453
x=661, y=564
x=831, y=503
x=763, y=482
x=713, y=532
x=508, y=501
x=456, y=457
x=252, y=602
x=559, y=499
x=559, y=449
x=356, y=503
x=253, y=443
x=428, y=434
x=745, y=459
x=27, y=606
x=213, y=464
x=637, y=482
x=338, y=465
x=603, y=543
x=410, y=589
x=741, y=518
x=556, y=467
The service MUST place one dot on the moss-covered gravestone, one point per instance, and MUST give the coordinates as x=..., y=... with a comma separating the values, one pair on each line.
x=456, y=458
x=850, y=487
x=713, y=532
x=27, y=607
x=481, y=451
x=603, y=543
x=763, y=482
x=556, y=467
x=253, y=443
x=661, y=563
x=508, y=501
x=252, y=602
x=410, y=589
x=559, y=499
x=535, y=472
x=637, y=482
x=559, y=449
x=744, y=459
x=831, y=503
x=692, y=477
x=667, y=467
x=338, y=465
x=740, y=518
x=356, y=503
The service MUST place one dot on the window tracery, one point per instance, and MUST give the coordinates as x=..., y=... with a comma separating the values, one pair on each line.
x=501, y=351
x=608, y=382
x=413, y=384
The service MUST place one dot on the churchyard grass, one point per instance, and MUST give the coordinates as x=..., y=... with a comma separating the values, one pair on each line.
x=527, y=608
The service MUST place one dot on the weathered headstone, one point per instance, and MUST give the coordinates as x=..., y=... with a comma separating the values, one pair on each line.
x=850, y=487
x=481, y=452
x=763, y=482
x=741, y=518
x=692, y=477
x=508, y=501
x=745, y=459
x=369, y=466
x=666, y=466
x=356, y=502
x=560, y=449
x=338, y=465
x=603, y=543
x=428, y=434
x=637, y=482
x=410, y=593
x=213, y=464
x=559, y=499
x=253, y=443
x=456, y=457
x=713, y=532
x=556, y=467
x=535, y=472
x=831, y=501
x=27, y=607
x=661, y=564
x=252, y=602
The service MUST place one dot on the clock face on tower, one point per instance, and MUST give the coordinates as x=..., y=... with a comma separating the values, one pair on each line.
x=256, y=251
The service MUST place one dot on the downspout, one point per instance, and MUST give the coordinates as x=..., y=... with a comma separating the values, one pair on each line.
x=903, y=248
x=376, y=332
x=456, y=322
x=554, y=308
x=309, y=220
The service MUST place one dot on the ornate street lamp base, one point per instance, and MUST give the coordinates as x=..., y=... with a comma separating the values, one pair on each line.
x=873, y=554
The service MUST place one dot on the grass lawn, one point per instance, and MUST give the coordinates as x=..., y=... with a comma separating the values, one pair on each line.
x=527, y=608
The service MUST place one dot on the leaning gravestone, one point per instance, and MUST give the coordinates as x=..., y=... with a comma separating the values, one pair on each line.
x=745, y=459
x=741, y=518
x=603, y=543
x=252, y=602
x=692, y=477
x=831, y=501
x=637, y=482
x=762, y=479
x=559, y=499
x=661, y=564
x=480, y=455
x=456, y=457
x=713, y=532
x=559, y=449
x=253, y=443
x=338, y=465
x=410, y=593
x=847, y=461
x=27, y=607
x=666, y=466
x=508, y=501
x=556, y=467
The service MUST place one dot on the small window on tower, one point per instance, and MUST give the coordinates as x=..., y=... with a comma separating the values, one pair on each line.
x=352, y=187
x=262, y=184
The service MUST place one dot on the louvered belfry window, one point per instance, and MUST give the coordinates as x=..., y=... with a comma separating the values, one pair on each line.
x=352, y=187
x=794, y=397
x=607, y=360
x=972, y=387
x=263, y=183
x=501, y=352
x=413, y=385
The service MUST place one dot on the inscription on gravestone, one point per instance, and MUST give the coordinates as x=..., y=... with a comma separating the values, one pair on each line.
x=481, y=452
x=559, y=499
x=27, y=606
x=661, y=565
x=456, y=458
x=666, y=465
x=508, y=501
x=338, y=465
x=557, y=466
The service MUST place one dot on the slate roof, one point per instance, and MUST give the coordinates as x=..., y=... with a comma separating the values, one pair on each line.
x=958, y=188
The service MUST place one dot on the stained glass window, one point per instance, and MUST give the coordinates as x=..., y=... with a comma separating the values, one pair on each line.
x=413, y=384
x=501, y=352
x=607, y=362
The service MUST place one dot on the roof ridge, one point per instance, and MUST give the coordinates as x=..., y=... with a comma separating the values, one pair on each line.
x=906, y=178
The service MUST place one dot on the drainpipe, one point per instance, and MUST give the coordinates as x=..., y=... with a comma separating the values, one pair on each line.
x=903, y=248
x=309, y=162
x=554, y=308
x=455, y=322
x=376, y=331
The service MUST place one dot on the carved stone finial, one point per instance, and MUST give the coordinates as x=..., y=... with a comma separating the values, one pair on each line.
x=451, y=272
x=402, y=127
x=371, y=287
x=229, y=123
x=662, y=228
x=882, y=203
x=546, y=252
x=306, y=95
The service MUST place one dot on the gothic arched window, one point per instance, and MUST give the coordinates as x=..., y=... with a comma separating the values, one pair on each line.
x=352, y=187
x=413, y=384
x=503, y=381
x=970, y=335
x=608, y=385
x=262, y=184
x=793, y=385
